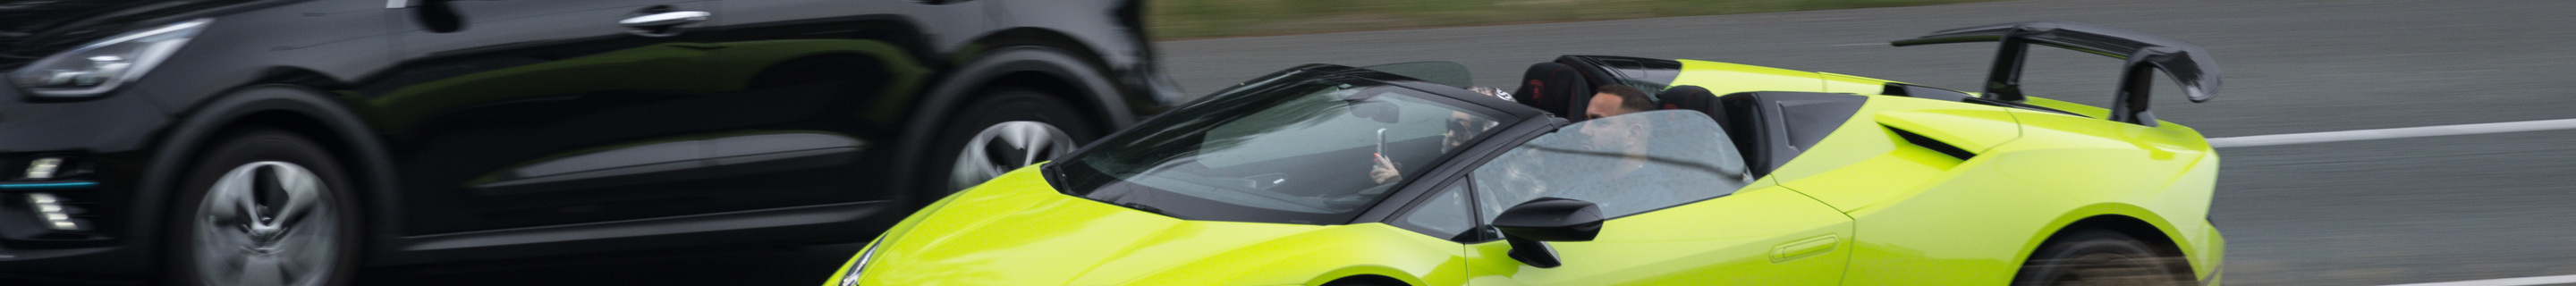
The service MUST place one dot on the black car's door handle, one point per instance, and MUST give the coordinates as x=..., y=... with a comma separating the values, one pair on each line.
x=665, y=19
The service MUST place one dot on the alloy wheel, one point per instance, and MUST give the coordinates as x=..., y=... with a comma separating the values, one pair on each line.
x=1006, y=146
x=266, y=223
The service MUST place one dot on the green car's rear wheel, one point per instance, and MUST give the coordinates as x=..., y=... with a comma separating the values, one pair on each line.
x=2101, y=257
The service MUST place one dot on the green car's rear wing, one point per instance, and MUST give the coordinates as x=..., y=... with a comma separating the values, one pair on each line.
x=2189, y=65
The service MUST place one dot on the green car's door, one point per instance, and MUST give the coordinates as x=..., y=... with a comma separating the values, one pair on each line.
x=1682, y=210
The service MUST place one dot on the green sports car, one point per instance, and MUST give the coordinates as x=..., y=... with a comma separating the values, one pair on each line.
x=1724, y=174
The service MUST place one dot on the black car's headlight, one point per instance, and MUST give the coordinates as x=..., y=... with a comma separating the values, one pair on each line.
x=860, y=265
x=102, y=66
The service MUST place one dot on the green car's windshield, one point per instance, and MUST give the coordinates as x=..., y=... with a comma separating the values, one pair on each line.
x=1300, y=147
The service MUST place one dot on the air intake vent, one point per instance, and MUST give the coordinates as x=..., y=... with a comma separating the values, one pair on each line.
x=1935, y=145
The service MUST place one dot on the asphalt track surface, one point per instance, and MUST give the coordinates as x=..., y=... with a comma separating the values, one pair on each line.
x=2373, y=212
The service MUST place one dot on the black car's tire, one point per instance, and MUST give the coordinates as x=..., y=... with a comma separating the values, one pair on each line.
x=263, y=207
x=2101, y=257
x=1003, y=129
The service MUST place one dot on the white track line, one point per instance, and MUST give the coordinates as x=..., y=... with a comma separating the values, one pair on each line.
x=2537, y=280
x=2392, y=133
x=2413, y=132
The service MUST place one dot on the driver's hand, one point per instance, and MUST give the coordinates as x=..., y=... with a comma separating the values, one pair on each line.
x=1382, y=170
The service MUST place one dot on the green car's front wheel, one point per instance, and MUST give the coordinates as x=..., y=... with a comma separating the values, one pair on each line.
x=2100, y=257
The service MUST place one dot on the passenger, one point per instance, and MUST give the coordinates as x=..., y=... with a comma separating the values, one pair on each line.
x=1626, y=135
x=1637, y=174
x=1615, y=100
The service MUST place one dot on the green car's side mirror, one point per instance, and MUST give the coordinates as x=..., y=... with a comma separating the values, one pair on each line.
x=1529, y=226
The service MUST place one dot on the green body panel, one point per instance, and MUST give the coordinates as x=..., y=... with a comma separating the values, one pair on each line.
x=1843, y=83
x=1862, y=207
x=1975, y=129
x=1016, y=230
x=2164, y=175
x=1724, y=78
x=1762, y=235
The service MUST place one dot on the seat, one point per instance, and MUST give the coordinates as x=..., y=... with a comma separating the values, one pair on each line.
x=1775, y=126
x=1590, y=70
x=1555, y=88
x=1691, y=97
x=1695, y=98
x=1593, y=74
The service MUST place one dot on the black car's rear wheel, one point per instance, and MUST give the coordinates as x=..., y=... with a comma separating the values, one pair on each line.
x=2101, y=257
x=1004, y=130
x=264, y=207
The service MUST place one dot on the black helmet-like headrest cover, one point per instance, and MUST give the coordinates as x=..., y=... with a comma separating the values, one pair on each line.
x=1552, y=87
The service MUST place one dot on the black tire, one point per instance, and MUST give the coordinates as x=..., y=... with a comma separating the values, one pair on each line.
x=1369, y=280
x=993, y=108
x=2101, y=257
x=320, y=240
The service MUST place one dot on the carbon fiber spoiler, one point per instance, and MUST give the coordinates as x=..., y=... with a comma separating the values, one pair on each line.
x=2189, y=65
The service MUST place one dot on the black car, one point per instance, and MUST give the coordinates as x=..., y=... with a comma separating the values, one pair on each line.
x=288, y=142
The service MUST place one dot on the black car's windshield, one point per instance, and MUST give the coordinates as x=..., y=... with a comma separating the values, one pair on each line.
x=1301, y=147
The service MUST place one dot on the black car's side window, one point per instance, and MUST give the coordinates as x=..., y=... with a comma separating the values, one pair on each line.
x=1443, y=215
x=1627, y=164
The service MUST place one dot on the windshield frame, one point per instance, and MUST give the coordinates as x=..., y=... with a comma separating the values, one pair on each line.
x=1512, y=118
x=1454, y=170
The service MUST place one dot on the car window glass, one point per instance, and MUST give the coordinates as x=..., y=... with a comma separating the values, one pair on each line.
x=1297, y=148
x=1627, y=164
x=1444, y=216
x=1415, y=120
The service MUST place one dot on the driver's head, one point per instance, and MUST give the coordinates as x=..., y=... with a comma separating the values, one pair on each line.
x=1616, y=99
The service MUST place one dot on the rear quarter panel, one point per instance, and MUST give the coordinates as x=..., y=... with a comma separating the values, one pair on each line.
x=2164, y=175
x=1925, y=218
x=1922, y=217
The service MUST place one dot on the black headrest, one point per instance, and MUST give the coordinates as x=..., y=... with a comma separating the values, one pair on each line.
x=1594, y=76
x=1737, y=122
x=1591, y=73
x=1691, y=97
x=1554, y=87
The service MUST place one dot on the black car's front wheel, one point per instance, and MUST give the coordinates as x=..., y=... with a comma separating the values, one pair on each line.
x=264, y=207
x=1004, y=130
x=2100, y=257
